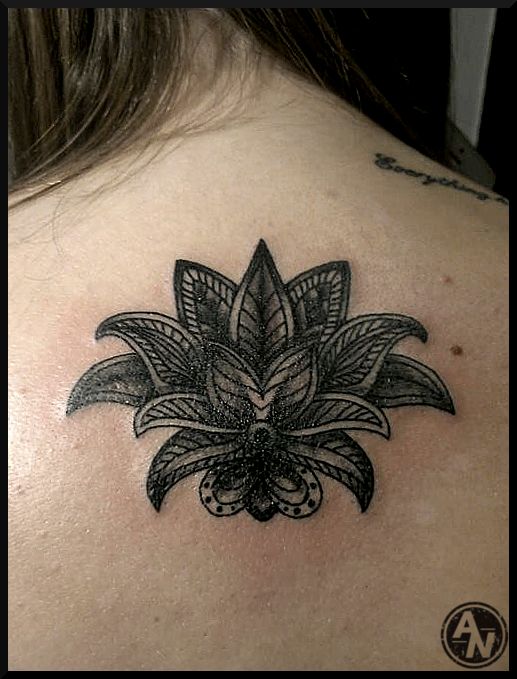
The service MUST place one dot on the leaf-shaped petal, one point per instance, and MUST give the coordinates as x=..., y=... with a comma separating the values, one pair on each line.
x=224, y=490
x=232, y=387
x=352, y=357
x=168, y=350
x=261, y=320
x=340, y=411
x=185, y=453
x=290, y=384
x=260, y=504
x=191, y=411
x=204, y=300
x=296, y=491
x=319, y=299
x=402, y=381
x=338, y=456
x=121, y=379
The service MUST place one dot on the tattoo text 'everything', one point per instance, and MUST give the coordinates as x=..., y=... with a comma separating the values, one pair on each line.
x=388, y=163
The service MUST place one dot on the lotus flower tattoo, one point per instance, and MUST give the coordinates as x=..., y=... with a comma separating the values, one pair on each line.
x=262, y=383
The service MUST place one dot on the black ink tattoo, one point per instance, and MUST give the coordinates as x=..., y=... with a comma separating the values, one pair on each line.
x=387, y=163
x=263, y=381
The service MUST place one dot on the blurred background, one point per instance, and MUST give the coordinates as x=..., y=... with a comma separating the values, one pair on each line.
x=446, y=72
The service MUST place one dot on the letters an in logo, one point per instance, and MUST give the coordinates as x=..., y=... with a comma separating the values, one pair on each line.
x=467, y=627
x=474, y=635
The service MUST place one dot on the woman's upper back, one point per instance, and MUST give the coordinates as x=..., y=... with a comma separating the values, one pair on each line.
x=99, y=579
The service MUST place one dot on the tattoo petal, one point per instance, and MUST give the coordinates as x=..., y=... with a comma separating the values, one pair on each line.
x=185, y=453
x=352, y=357
x=402, y=381
x=121, y=379
x=340, y=411
x=232, y=387
x=261, y=320
x=204, y=300
x=192, y=411
x=223, y=491
x=297, y=491
x=260, y=504
x=319, y=298
x=336, y=455
x=166, y=348
x=290, y=383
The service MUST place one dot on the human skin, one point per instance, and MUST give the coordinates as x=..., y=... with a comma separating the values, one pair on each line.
x=97, y=579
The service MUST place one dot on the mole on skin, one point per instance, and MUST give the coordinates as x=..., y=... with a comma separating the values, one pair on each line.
x=456, y=349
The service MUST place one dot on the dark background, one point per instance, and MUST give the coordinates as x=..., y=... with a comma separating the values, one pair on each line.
x=407, y=53
x=494, y=135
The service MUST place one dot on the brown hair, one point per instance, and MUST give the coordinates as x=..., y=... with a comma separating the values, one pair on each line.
x=87, y=84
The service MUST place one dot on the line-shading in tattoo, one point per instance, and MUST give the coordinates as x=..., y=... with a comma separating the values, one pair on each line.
x=388, y=163
x=262, y=382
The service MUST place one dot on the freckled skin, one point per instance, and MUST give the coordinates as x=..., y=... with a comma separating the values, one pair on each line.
x=456, y=350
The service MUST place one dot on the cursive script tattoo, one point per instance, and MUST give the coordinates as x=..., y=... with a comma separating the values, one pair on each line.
x=262, y=382
x=388, y=163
